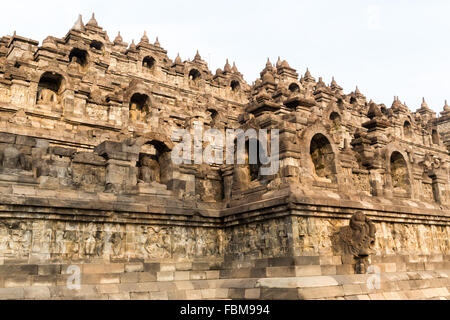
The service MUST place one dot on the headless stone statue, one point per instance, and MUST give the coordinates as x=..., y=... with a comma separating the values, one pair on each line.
x=149, y=170
x=134, y=112
x=46, y=96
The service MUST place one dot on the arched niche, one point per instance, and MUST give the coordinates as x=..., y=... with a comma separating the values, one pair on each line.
x=139, y=107
x=323, y=159
x=213, y=114
x=401, y=184
x=294, y=88
x=435, y=136
x=50, y=89
x=235, y=85
x=79, y=58
x=247, y=169
x=97, y=45
x=407, y=129
x=148, y=64
x=336, y=120
x=194, y=75
x=154, y=163
x=253, y=168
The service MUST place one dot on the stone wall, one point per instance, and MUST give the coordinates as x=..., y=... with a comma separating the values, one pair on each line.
x=87, y=178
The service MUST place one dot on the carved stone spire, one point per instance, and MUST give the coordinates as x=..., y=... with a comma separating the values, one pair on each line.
x=227, y=67
x=144, y=38
x=79, y=25
x=446, y=107
x=157, y=44
x=197, y=57
x=424, y=104
x=132, y=45
x=234, y=68
x=178, y=59
x=308, y=77
x=118, y=39
x=278, y=62
x=92, y=22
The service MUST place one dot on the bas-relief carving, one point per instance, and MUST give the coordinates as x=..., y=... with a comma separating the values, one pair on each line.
x=171, y=103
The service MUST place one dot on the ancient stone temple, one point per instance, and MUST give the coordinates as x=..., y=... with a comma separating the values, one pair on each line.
x=93, y=206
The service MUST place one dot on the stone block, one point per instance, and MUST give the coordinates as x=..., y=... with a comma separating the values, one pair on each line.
x=12, y=293
x=165, y=276
x=140, y=296
x=134, y=267
x=46, y=270
x=181, y=275
x=147, y=276
x=41, y=293
x=352, y=289
x=253, y=294
x=308, y=270
x=278, y=294
x=129, y=277
x=159, y=296
x=194, y=295
x=321, y=292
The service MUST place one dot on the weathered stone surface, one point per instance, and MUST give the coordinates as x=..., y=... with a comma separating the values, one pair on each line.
x=88, y=182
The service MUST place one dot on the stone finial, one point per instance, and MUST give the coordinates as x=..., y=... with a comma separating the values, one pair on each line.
x=178, y=59
x=285, y=64
x=144, y=38
x=92, y=22
x=333, y=83
x=320, y=83
x=446, y=107
x=278, y=62
x=424, y=104
x=79, y=25
x=197, y=57
x=268, y=77
x=157, y=44
x=357, y=90
x=227, y=67
x=132, y=45
x=308, y=76
x=118, y=39
x=234, y=68
x=269, y=64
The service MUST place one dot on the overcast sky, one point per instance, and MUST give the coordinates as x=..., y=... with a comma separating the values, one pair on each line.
x=387, y=48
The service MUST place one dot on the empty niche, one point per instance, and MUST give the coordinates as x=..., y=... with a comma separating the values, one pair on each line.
x=294, y=88
x=435, y=136
x=323, y=159
x=235, y=85
x=97, y=45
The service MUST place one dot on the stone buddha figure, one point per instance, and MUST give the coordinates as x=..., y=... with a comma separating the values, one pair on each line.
x=134, y=111
x=149, y=170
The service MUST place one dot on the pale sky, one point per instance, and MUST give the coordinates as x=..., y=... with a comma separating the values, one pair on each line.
x=387, y=48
